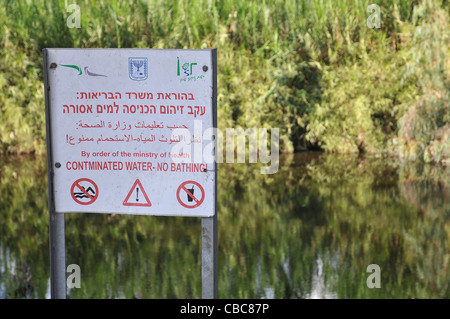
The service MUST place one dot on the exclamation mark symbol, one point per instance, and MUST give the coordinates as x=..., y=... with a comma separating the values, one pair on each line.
x=137, y=194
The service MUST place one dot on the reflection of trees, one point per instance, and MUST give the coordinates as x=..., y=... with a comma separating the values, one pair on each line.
x=24, y=268
x=395, y=217
x=309, y=230
x=20, y=281
x=428, y=188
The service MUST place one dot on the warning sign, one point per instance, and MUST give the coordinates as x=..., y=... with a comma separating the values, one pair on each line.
x=132, y=198
x=84, y=191
x=190, y=194
x=138, y=122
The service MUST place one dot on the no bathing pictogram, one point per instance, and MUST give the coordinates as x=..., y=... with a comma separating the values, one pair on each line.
x=190, y=194
x=84, y=191
x=134, y=197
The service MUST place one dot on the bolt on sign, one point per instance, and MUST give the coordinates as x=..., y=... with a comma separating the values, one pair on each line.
x=129, y=130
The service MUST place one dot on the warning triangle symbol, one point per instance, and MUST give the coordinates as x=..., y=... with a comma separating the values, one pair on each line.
x=137, y=196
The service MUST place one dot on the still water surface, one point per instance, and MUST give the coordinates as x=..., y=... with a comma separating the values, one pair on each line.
x=308, y=231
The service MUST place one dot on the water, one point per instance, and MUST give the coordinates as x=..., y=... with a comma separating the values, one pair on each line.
x=308, y=231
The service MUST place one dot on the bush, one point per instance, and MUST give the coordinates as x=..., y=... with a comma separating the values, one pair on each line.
x=311, y=68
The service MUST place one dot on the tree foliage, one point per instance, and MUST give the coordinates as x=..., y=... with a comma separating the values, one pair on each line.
x=314, y=69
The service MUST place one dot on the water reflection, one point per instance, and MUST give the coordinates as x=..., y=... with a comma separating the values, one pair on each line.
x=309, y=231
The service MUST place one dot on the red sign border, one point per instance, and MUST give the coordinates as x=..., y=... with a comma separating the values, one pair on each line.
x=75, y=185
x=197, y=203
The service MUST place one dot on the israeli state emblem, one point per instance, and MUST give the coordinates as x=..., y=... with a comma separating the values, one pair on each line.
x=138, y=69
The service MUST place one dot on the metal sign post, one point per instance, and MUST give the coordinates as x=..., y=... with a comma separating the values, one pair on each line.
x=56, y=220
x=209, y=257
x=127, y=130
x=209, y=224
x=57, y=256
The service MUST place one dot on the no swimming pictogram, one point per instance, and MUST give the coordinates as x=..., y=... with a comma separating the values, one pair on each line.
x=187, y=195
x=84, y=191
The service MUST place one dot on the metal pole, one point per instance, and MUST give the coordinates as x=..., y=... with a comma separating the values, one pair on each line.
x=56, y=220
x=57, y=256
x=209, y=257
x=209, y=224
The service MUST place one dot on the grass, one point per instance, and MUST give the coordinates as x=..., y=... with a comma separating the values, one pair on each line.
x=296, y=65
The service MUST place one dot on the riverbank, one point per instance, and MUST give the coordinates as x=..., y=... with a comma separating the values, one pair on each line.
x=313, y=69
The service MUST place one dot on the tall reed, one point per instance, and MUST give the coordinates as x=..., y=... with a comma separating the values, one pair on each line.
x=279, y=61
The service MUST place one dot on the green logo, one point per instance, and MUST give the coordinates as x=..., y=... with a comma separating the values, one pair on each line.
x=186, y=67
x=76, y=67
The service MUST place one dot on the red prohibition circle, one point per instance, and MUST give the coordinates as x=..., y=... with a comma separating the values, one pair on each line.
x=197, y=202
x=86, y=193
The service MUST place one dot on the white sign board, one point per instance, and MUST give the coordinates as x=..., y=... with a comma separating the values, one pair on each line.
x=130, y=130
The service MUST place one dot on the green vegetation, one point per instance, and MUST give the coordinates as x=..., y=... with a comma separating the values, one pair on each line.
x=342, y=212
x=312, y=68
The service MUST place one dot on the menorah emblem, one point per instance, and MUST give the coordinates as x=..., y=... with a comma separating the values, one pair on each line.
x=138, y=64
x=138, y=68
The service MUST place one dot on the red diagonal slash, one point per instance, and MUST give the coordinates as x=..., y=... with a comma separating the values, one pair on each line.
x=190, y=194
x=84, y=191
x=91, y=198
